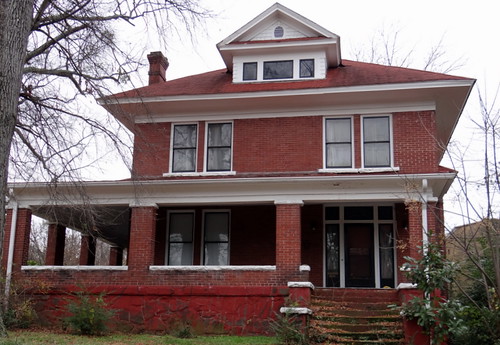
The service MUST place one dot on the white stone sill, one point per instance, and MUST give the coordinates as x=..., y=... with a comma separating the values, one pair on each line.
x=74, y=268
x=295, y=310
x=198, y=174
x=359, y=171
x=212, y=268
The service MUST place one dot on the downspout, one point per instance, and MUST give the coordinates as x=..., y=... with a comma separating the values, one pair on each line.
x=425, y=224
x=10, y=259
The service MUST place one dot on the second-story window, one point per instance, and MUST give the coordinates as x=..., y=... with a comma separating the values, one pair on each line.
x=338, y=141
x=376, y=141
x=184, y=148
x=219, y=140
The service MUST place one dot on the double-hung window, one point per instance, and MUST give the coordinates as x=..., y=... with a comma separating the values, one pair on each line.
x=219, y=141
x=185, y=138
x=216, y=238
x=376, y=141
x=338, y=142
x=180, y=238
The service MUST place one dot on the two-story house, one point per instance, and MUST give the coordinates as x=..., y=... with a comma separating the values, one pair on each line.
x=291, y=168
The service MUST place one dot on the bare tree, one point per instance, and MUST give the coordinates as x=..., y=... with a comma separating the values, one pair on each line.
x=56, y=55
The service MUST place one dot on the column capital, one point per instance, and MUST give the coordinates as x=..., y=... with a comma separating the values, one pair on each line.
x=290, y=201
x=138, y=203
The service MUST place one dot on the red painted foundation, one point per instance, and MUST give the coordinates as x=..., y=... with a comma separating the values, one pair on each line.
x=220, y=309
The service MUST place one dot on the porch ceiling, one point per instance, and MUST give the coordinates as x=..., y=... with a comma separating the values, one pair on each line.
x=109, y=223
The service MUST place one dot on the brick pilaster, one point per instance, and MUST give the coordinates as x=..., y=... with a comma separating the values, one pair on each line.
x=87, y=250
x=288, y=238
x=56, y=237
x=142, y=237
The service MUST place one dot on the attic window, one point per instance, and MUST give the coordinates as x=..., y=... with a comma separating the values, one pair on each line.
x=278, y=69
x=278, y=32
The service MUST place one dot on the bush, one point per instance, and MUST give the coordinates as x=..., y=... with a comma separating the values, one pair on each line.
x=288, y=330
x=89, y=314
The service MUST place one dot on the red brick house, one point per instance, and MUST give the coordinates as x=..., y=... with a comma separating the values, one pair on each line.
x=291, y=169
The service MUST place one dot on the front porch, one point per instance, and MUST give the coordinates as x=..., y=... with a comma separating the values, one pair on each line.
x=226, y=262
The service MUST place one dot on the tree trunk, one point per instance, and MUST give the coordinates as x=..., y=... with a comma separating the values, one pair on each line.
x=15, y=24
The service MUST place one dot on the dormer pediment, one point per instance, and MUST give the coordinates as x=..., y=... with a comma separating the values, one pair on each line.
x=280, y=34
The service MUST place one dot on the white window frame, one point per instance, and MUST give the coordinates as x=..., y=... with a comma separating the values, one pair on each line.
x=171, y=161
x=205, y=155
x=202, y=249
x=391, y=140
x=351, y=118
x=167, y=242
x=376, y=245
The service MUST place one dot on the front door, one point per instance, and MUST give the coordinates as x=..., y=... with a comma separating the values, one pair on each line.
x=359, y=255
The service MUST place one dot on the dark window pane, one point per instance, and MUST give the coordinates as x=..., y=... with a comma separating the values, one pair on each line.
x=386, y=243
x=250, y=71
x=216, y=238
x=385, y=212
x=185, y=136
x=332, y=255
x=307, y=68
x=358, y=213
x=278, y=69
x=184, y=148
x=332, y=213
x=180, y=239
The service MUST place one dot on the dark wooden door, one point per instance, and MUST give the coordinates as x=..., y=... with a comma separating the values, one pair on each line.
x=359, y=255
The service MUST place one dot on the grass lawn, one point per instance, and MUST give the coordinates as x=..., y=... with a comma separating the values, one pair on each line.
x=47, y=338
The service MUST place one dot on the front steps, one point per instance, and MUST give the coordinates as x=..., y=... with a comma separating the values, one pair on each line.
x=356, y=317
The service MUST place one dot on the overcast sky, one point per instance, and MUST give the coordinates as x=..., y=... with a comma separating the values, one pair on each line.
x=468, y=30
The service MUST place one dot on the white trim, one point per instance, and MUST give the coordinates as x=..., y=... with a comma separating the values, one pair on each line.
x=391, y=140
x=339, y=117
x=171, y=150
x=74, y=268
x=205, y=150
x=295, y=310
x=305, y=268
x=245, y=114
x=203, y=268
x=301, y=285
x=404, y=286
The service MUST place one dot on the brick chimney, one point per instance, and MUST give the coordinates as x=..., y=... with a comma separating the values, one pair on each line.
x=158, y=65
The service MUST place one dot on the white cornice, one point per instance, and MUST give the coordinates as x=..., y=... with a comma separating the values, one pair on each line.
x=268, y=190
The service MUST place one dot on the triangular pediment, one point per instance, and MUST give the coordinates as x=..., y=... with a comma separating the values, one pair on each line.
x=276, y=27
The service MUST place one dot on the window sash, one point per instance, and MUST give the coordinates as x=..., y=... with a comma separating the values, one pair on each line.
x=216, y=238
x=180, y=239
x=376, y=141
x=219, y=141
x=184, y=145
x=338, y=145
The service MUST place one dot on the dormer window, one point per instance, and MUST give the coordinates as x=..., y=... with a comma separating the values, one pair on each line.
x=250, y=71
x=279, y=32
x=307, y=68
x=278, y=69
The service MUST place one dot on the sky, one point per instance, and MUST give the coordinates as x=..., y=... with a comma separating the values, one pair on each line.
x=467, y=31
